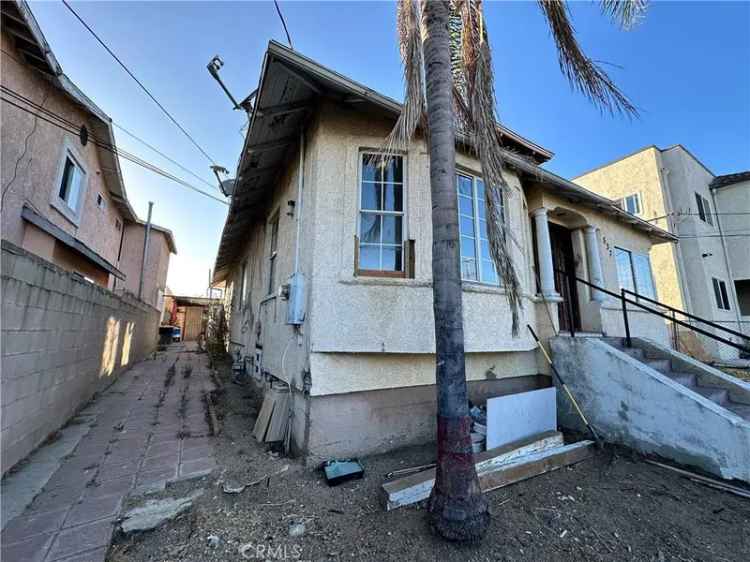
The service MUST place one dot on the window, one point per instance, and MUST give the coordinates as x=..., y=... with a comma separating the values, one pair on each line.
x=243, y=286
x=381, y=214
x=704, y=209
x=71, y=183
x=101, y=202
x=720, y=292
x=742, y=290
x=274, y=226
x=632, y=204
x=634, y=273
x=476, y=259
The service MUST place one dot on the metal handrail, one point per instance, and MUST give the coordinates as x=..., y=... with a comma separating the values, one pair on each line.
x=625, y=301
x=687, y=314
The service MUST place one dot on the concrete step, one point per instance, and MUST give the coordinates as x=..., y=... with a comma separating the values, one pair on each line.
x=685, y=379
x=713, y=393
x=661, y=365
x=742, y=410
x=634, y=352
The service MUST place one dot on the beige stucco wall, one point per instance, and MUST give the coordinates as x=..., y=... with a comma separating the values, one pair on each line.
x=641, y=173
x=155, y=274
x=37, y=174
x=365, y=333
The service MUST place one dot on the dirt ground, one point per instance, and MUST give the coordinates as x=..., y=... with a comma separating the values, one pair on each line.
x=611, y=507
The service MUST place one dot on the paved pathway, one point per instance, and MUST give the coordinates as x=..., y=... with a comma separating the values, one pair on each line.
x=147, y=429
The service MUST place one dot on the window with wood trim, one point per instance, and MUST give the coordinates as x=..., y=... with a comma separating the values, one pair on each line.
x=380, y=240
x=476, y=260
x=273, y=251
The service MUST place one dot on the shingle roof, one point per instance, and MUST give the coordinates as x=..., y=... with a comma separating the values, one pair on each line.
x=729, y=179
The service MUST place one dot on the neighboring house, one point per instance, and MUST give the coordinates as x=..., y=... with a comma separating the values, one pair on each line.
x=326, y=254
x=671, y=188
x=731, y=195
x=63, y=196
x=160, y=246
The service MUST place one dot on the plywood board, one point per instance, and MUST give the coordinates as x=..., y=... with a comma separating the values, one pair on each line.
x=264, y=416
x=521, y=415
x=279, y=418
x=417, y=487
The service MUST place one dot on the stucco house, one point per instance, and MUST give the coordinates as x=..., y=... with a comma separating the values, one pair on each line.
x=64, y=198
x=706, y=271
x=326, y=257
x=155, y=265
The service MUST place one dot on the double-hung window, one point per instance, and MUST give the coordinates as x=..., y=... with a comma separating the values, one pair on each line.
x=720, y=292
x=634, y=272
x=476, y=259
x=381, y=214
x=274, y=230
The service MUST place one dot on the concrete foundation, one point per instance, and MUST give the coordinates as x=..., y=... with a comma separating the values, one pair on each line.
x=372, y=422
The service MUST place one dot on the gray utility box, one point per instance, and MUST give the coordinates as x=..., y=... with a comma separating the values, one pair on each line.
x=295, y=310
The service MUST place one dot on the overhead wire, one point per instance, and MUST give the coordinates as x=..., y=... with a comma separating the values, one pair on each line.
x=137, y=81
x=73, y=128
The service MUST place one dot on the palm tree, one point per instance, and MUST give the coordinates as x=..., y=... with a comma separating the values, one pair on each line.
x=449, y=86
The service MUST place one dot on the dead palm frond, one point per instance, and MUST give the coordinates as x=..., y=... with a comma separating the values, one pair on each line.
x=475, y=103
x=583, y=74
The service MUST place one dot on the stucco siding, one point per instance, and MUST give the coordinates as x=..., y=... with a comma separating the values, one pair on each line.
x=155, y=272
x=37, y=168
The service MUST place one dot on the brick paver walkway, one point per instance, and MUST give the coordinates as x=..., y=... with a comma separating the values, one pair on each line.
x=149, y=428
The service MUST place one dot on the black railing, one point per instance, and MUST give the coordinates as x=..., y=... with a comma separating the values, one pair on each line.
x=624, y=300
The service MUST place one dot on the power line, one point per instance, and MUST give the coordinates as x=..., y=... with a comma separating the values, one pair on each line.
x=114, y=150
x=283, y=22
x=160, y=153
x=148, y=93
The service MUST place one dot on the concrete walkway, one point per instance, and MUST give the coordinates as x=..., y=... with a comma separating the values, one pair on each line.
x=149, y=428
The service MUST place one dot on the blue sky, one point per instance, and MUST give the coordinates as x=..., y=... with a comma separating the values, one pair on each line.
x=685, y=66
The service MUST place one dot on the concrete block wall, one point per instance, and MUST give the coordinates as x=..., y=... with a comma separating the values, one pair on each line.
x=63, y=339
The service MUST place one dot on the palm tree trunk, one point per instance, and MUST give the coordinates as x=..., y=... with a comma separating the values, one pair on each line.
x=457, y=507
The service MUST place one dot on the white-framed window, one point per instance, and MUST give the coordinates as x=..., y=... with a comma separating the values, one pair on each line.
x=721, y=295
x=101, y=202
x=381, y=214
x=273, y=226
x=632, y=204
x=634, y=272
x=72, y=178
x=476, y=260
x=704, y=209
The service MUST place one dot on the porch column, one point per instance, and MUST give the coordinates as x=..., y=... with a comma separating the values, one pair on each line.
x=544, y=253
x=595, y=263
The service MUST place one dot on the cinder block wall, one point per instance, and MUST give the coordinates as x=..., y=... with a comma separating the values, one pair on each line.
x=63, y=339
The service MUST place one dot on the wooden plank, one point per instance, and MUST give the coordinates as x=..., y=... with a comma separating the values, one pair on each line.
x=264, y=416
x=417, y=487
x=280, y=417
x=535, y=465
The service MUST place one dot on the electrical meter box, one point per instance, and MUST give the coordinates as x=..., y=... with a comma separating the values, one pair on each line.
x=295, y=311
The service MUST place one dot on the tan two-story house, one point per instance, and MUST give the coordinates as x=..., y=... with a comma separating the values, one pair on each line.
x=326, y=255
x=703, y=274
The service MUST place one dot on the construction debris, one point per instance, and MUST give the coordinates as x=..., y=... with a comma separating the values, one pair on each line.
x=272, y=421
x=705, y=481
x=241, y=488
x=340, y=471
x=156, y=512
x=496, y=467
